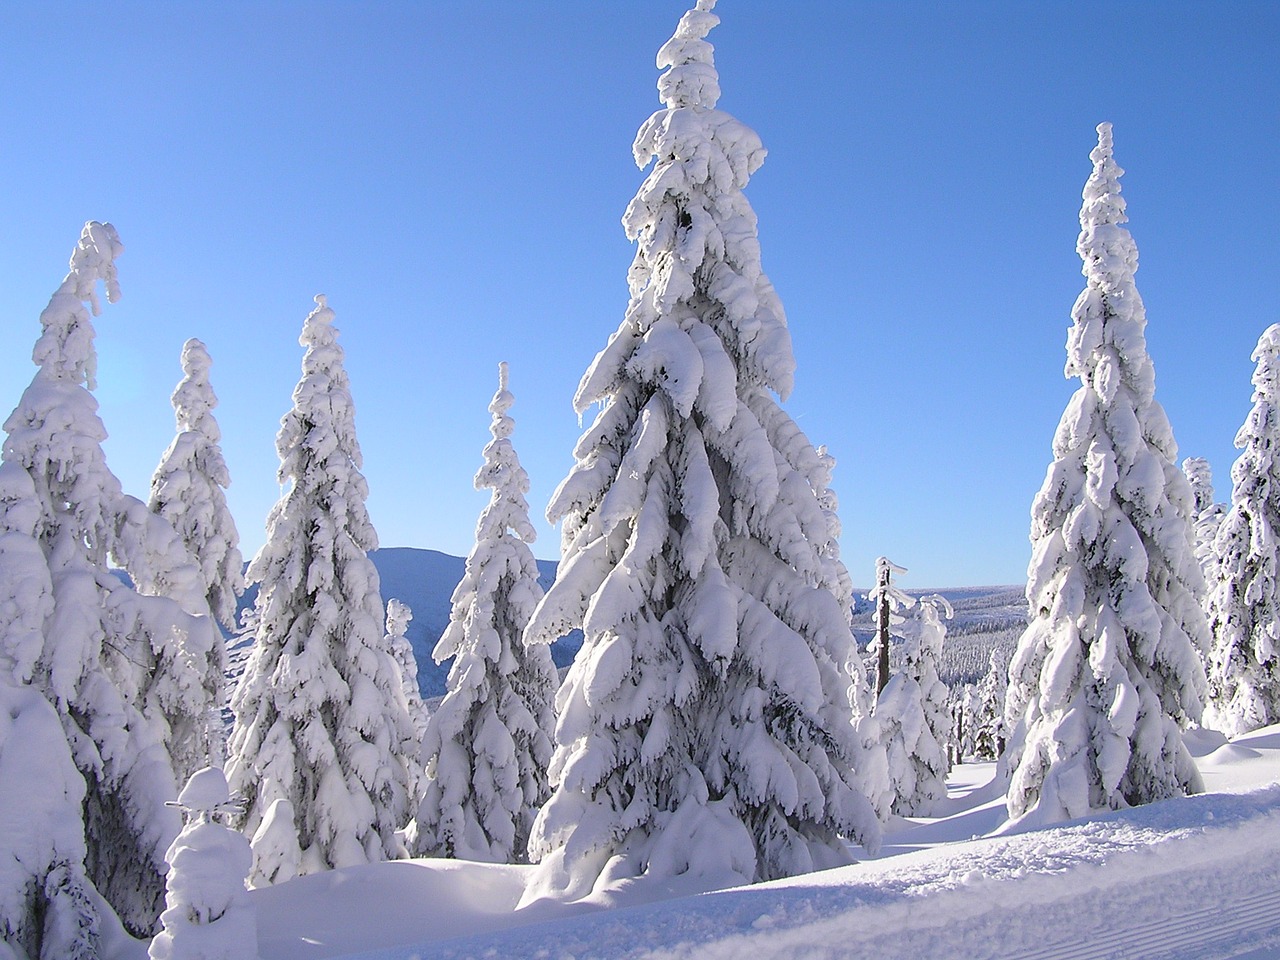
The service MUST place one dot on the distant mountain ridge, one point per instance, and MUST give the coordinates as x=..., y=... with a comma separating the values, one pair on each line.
x=985, y=617
x=425, y=580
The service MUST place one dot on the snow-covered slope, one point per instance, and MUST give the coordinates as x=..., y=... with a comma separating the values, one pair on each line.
x=1182, y=879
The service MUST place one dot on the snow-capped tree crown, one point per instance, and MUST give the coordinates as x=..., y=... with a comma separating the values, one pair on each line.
x=193, y=399
x=187, y=490
x=503, y=474
x=1200, y=478
x=65, y=349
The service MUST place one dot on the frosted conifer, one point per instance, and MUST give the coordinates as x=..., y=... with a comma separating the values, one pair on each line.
x=705, y=729
x=914, y=714
x=209, y=915
x=1206, y=516
x=488, y=744
x=320, y=717
x=108, y=659
x=988, y=737
x=1244, y=605
x=1108, y=672
x=399, y=616
x=188, y=487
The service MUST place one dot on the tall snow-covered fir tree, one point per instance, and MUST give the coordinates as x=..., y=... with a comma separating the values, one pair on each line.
x=487, y=746
x=1206, y=516
x=1244, y=605
x=320, y=717
x=1107, y=673
x=705, y=729
x=914, y=714
x=115, y=664
x=188, y=487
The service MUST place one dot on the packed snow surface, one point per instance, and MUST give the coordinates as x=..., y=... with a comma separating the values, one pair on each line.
x=1188, y=878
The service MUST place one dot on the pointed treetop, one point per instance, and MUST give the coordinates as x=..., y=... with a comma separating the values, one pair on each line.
x=1102, y=201
x=193, y=398
x=1266, y=378
x=691, y=80
x=1107, y=341
x=500, y=404
x=65, y=348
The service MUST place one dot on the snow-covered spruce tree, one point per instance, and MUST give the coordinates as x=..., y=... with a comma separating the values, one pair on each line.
x=705, y=728
x=320, y=717
x=208, y=913
x=399, y=616
x=1244, y=605
x=487, y=746
x=1206, y=516
x=188, y=487
x=988, y=736
x=108, y=659
x=914, y=713
x=1107, y=673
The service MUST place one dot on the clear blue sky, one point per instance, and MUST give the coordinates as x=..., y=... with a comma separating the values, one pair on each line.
x=452, y=175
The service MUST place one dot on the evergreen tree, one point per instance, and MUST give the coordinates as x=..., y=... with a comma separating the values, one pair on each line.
x=399, y=616
x=1107, y=673
x=188, y=488
x=915, y=716
x=209, y=915
x=1244, y=606
x=988, y=736
x=487, y=747
x=110, y=660
x=1206, y=516
x=320, y=718
x=705, y=729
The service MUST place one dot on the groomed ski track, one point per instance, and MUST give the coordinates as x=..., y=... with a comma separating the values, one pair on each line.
x=1188, y=879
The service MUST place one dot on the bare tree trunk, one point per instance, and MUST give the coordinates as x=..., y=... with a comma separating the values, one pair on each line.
x=882, y=628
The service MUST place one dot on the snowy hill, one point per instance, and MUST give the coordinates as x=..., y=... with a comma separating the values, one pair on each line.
x=1189, y=878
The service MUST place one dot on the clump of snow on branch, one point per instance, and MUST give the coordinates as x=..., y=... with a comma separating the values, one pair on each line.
x=706, y=729
x=913, y=711
x=1108, y=671
x=1244, y=605
x=320, y=715
x=487, y=747
x=208, y=914
x=108, y=659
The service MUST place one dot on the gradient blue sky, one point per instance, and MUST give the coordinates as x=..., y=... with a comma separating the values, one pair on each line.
x=452, y=176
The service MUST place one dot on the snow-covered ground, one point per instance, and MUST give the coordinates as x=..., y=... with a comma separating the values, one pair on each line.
x=1191, y=878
